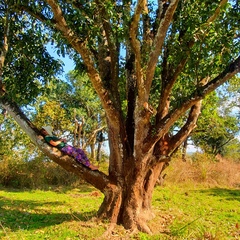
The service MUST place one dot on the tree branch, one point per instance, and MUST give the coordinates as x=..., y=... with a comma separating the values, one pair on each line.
x=231, y=70
x=87, y=57
x=133, y=31
x=96, y=178
x=158, y=43
x=167, y=84
x=33, y=13
x=164, y=125
x=108, y=30
x=174, y=73
x=185, y=131
x=113, y=50
x=217, y=11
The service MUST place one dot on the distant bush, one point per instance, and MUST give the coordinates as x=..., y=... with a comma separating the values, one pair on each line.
x=34, y=174
x=204, y=169
x=39, y=173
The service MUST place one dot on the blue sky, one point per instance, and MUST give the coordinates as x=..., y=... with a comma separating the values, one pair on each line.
x=68, y=63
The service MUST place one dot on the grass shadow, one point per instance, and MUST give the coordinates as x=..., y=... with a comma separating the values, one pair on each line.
x=228, y=194
x=58, y=189
x=27, y=214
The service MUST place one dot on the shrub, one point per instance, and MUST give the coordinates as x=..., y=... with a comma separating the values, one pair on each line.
x=34, y=174
x=204, y=169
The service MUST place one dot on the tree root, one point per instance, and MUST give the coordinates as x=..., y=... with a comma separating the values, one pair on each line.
x=108, y=232
x=143, y=227
x=140, y=226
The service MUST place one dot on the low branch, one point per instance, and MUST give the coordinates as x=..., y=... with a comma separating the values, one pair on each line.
x=96, y=178
x=188, y=127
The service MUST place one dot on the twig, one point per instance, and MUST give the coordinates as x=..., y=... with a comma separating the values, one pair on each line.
x=4, y=230
x=189, y=223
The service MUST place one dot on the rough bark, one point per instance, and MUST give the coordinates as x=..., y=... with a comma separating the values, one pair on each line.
x=130, y=204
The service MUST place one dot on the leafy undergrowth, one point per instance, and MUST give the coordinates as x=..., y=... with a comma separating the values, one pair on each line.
x=184, y=211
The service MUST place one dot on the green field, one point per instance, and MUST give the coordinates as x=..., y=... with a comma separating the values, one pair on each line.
x=182, y=212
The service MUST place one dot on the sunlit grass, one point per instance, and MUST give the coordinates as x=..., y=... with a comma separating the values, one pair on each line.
x=200, y=213
x=182, y=212
x=34, y=214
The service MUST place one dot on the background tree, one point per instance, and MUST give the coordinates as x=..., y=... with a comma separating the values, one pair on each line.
x=216, y=127
x=88, y=113
x=73, y=109
x=231, y=150
x=230, y=96
x=218, y=124
x=151, y=64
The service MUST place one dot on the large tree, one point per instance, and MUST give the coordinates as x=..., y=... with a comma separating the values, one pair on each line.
x=151, y=64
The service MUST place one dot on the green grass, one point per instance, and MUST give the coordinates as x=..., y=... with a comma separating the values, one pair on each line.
x=182, y=212
x=200, y=213
x=57, y=214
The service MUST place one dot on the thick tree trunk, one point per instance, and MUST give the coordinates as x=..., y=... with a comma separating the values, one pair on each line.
x=130, y=204
x=111, y=204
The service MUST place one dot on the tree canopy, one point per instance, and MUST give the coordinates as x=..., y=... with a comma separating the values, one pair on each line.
x=151, y=64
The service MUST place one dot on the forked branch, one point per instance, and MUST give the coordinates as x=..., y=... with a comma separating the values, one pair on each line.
x=88, y=59
x=164, y=125
x=188, y=127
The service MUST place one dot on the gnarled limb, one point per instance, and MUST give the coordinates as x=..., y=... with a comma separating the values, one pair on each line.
x=185, y=131
x=164, y=125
